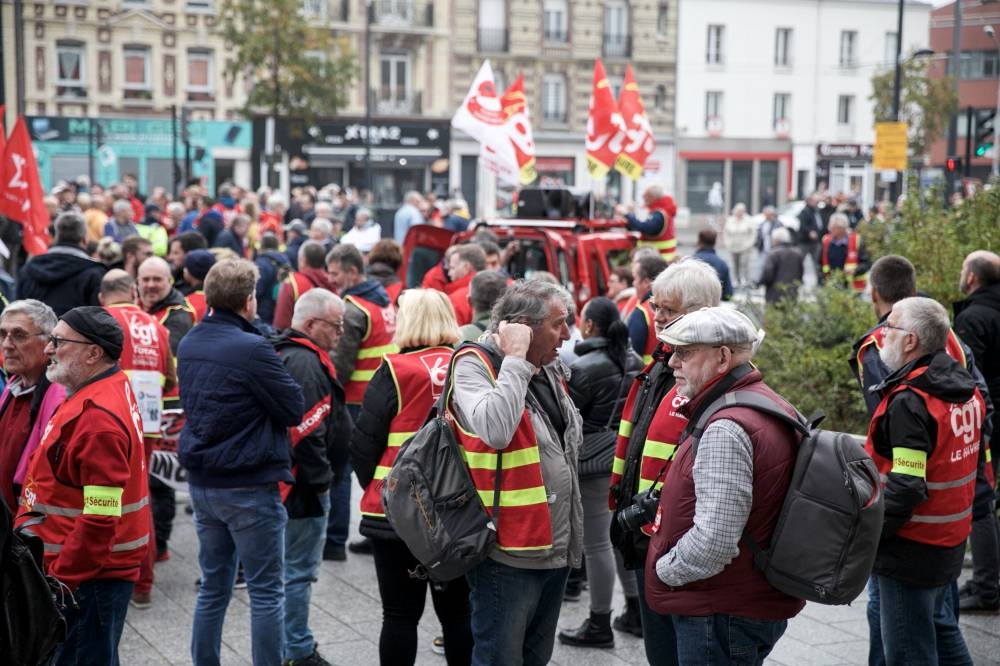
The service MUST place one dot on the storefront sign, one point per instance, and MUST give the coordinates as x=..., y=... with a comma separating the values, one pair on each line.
x=845, y=151
x=354, y=133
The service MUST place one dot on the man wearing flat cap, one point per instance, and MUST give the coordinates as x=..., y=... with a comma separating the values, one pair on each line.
x=89, y=480
x=697, y=570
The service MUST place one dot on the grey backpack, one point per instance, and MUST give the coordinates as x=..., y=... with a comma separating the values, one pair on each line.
x=432, y=504
x=828, y=530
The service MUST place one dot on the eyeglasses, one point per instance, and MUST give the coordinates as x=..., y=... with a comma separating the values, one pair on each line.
x=886, y=324
x=682, y=354
x=667, y=311
x=336, y=325
x=18, y=336
x=56, y=341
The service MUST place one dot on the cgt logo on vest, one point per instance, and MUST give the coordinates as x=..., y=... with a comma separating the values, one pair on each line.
x=389, y=317
x=142, y=332
x=438, y=374
x=967, y=421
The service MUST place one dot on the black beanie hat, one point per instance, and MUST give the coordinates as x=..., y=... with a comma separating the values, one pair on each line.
x=98, y=326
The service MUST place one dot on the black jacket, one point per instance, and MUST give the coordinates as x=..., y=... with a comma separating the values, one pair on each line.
x=977, y=322
x=322, y=453
x=63, y=278
x=270, y=264
x=907, y=423
x=178, y=321
x=808, y=223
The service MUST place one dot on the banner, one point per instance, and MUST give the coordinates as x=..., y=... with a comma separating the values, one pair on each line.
x=481, y=116
x=21, y=197
x=639, y=143
x=605, y=126
x=163, y=463
x=518, y=126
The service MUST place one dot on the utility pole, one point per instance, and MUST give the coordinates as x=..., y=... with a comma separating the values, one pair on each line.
x=956, y=71
x=369, y=10
x=897, y=74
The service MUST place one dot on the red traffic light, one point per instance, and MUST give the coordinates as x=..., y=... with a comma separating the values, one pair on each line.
x=954, y=164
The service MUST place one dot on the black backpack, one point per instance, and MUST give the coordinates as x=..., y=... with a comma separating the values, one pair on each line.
x=431, y=502
x=828, y=530
x=33, y=625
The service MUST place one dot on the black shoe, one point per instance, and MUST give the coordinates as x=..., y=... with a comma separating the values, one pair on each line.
x=573, y=590
x=594, y=632
x=315, y=659
x=630, y=621
x=334, y=553
x=973, y=603
x=363, y=547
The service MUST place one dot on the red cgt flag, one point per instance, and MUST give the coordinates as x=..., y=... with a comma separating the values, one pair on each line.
x=518, y=125
x=21, y=197
x=639, y=142
x=605, y=126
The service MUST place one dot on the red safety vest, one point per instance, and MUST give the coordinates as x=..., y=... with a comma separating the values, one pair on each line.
x=300, y=284
x=858, y=282
x=314, y=415
x=945, y=517
x=524, y=522
x=419, y=377
x=63, y=504
x=376, y=343
x=146, y=349
x=196, y=299
x=651, y=340
x=666, y=242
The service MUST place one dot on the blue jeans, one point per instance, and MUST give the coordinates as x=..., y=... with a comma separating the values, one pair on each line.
x=303, y=554
x=725, y=639
x=514, y=613
x=94, y=628
x=876, y=657
x=919, y=624
x=339, y=519
x=247, y=524
x=657, y=630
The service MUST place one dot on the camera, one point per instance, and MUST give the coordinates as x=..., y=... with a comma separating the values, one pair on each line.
x=641, y=511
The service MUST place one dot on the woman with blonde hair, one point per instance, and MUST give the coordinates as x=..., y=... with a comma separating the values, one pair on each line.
x=397, y=401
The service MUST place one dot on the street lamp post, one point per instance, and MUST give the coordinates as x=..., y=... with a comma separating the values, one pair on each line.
x=368, y=96
x=989, y=30
x=894, y=187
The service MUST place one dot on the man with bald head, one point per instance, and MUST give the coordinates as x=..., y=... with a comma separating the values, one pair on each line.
x=977, y=323
x=159, y=298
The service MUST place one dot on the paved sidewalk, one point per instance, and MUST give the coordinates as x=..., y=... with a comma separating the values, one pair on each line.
x=346, y=618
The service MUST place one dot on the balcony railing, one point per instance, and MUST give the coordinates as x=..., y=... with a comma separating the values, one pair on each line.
x=493, y=40
x=557, y=35
x=403, y=13
x=554, y=116
x=71, y=91
x=617, y=46
x=402, y=103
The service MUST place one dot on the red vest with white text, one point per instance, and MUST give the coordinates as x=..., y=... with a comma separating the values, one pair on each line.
x=380, y=327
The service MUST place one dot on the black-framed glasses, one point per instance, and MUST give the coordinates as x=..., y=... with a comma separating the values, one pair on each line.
x=337, y=325
x=18, y=336
x=56, y=341
x=682, y=354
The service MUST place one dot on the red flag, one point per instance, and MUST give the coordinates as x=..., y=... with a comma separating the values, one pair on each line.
x=605, y=126
x=21, y=197
x=518, y=125
x=639, y=142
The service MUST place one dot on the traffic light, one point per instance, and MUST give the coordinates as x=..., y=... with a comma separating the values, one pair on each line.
x=954, y=164
x=984, y=131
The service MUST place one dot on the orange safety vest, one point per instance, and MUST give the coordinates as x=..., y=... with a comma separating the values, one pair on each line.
x=651, y=340
x=524, y=522
x=196, y=299
x=63, y=504
x=858, y=282
x=666, y=242
x=380, y=326
x=419, y=377
x=945, y=517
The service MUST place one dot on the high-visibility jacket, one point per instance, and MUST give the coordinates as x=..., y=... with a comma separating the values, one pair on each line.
x=46, y=489
x=196, y=299
x=300, y=284
x=157, y=237
x=662, y=439
x=628, y=305
x=380, y=327
x=524, y=522
x=419, y=378
x=651, y=340
x=858, y=282
x=666, y=242
x=945, y=517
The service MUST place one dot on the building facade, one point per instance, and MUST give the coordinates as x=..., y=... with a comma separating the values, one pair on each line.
x=554, y=43
x=773, y=96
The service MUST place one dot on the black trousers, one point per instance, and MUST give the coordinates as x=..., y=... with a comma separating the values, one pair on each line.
x=164, y=505
x=403, y=599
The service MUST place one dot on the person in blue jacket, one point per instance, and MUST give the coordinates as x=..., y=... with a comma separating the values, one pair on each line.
x=240, y=402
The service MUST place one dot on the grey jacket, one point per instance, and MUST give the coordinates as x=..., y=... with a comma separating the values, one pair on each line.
x=493, y=411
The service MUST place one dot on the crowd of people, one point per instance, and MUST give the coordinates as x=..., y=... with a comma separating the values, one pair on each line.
x=285, y=336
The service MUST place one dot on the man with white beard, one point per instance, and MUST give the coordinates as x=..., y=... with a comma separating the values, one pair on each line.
x=925, y=438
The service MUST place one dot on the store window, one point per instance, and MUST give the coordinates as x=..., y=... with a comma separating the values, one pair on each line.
x=137, y=82
x=767, y=183
x=701, y=174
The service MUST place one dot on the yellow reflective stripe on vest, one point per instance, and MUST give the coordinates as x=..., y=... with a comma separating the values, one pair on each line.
x=660, y=450
x=102, y=501
x=660, y=244
x=645, y=484
x=618, y=466
x=909, y=461
x=380, y=473
x=525, y=497
x=377, y=352
x=647, y=359
x=398, y=438
x=625, y=428
x=509, y=459
x=362, y=375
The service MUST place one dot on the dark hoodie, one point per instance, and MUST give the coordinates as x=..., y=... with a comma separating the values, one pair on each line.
x=178, y=321
x=977, y=322
x=907, y=420
x=63, y=278
x=356, y=323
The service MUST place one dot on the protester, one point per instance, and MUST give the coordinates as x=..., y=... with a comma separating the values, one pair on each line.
x=658, y=229
x=384, y=262
x=843, y=250
x=180, y=245
x=463, y=264
x=197, y=263
x=272, y=264
x=400, y=395
x=599, y=381
x=407, y=215
x=739, y=236
x=929, y=471
x=510, y=396
x=697, y=568
x=122, y=222
x=620, y=288
x=782, y=273
x=705, y=251
x=159, y=298
x=485, y=290
x=135, y=250
x=311, y=273
x=29, y=399
x=318, y=447
x=365, y=233
x=239, y=401
x=641, y=326
x=88, y=478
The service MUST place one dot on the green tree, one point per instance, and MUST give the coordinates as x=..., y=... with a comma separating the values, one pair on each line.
x=926, y=103
x=297, y=69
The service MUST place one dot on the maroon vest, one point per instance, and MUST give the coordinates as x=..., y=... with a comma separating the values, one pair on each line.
x=739, y=589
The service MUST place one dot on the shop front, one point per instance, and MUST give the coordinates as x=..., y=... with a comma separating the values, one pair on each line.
x=846, y=168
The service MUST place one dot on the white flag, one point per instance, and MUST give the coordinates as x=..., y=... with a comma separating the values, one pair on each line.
x=481, y=116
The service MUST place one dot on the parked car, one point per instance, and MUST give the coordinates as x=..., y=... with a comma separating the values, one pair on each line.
x=788, y=214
